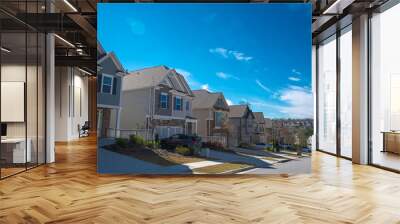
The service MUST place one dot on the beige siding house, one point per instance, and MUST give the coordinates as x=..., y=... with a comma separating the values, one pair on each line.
x=156, y=101
x=241, y=125
x=211, y=111
x=259, y=128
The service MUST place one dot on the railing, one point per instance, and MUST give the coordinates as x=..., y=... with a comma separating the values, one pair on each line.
x=219, y=139
x=125, y=133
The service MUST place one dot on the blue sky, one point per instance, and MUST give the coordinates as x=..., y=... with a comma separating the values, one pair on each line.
x=257, y=53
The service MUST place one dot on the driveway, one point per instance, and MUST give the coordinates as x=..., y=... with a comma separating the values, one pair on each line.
x=297, y=166
x=257, y=152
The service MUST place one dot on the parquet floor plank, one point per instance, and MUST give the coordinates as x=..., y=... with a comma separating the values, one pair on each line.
x=70, y=191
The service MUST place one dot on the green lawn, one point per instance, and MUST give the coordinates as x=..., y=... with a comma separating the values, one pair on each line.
x=157, y=156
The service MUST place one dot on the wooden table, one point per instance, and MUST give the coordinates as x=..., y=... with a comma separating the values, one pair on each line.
x=391, y=141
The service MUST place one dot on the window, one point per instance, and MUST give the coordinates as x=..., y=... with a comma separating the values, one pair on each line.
x=219, y=116
x=327, y=95
x=385, y=89
x=107, y=84
x=164, y=100
x=178, y=103
x=187, y=105
x=346, y=93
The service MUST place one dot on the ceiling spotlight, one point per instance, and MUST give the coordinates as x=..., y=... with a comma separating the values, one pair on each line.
x=5, y=50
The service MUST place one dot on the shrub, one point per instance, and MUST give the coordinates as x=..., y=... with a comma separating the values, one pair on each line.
x=152, y=144
x=244, y=145
x=137, y=140
x=270, y=149
x=185, y=151
x=214, y=145
x=121, y=142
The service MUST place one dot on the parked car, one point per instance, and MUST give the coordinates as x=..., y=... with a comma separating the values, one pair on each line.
x=180, y=140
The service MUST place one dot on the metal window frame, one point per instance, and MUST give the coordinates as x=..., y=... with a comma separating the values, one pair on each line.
x=339, y=32
x=381, y=9
x=44, y=75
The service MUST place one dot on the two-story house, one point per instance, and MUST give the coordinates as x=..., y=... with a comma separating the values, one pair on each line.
x=259, y=128
x=109, y=83
x=157, y=101
x=211, y=111
x=241, y=125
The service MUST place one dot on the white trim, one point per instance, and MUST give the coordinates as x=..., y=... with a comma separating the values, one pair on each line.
x=164, y=117
x=108, y=106
x=102, y=83
x=113, y=58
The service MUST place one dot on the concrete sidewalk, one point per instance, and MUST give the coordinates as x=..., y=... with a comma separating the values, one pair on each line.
x=201, y=164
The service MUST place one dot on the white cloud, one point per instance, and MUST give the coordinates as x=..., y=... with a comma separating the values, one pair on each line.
x=183, y=72
x=295, y=79
x=299, y=102
x=192, y=82
x=229, y=102
x=294, y=71
x=240, y=56
x=226, y=53
x=224, y=75
x=220, y=51
x=262, y=86
x=206, y=87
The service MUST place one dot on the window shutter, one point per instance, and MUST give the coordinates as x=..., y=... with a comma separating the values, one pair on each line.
x=114, y=91
x=99, y=78
x=182, y=104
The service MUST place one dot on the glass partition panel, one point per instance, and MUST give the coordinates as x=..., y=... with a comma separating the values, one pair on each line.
x=327, y=95
x=31, y=98
x=385, y=89
x=346, y=92
x=14, y=153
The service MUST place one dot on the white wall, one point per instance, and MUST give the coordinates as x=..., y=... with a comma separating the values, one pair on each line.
x=71, y=87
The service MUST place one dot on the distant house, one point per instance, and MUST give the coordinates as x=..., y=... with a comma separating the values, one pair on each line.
x=268, y=130
x=157, y=101
x=241, y=125
x=259, y=128
x=109, y=83
x=211, y=111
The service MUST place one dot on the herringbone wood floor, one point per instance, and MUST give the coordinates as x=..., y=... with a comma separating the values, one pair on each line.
x=70, y=191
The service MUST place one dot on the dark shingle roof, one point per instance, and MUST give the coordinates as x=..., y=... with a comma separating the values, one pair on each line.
x=237, y=110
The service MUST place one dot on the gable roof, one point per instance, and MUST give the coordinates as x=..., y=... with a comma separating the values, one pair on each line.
x=204, y=99
x=100, y=51
x=154, y=76
x=237, y=111
x=114, y=59
x=259, y=116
